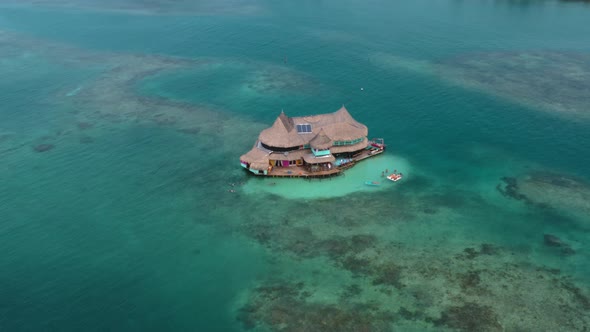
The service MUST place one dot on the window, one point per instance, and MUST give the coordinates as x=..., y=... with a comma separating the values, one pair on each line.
x=341, y=143
x=303, y=128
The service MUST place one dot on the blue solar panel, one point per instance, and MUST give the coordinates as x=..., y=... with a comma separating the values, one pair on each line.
x=304, y=128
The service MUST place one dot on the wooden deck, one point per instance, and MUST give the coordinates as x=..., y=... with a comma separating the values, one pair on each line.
x=368, y=154
x=301, y=172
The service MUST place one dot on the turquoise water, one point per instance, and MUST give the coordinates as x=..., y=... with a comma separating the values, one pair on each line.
x=129, y=220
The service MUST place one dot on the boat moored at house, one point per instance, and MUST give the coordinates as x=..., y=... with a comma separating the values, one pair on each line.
x=311, y=146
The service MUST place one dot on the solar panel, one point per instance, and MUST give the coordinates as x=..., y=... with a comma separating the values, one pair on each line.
x=303, y=128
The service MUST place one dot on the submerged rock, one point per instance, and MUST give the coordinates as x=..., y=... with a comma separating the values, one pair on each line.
x=485, y=249
x=351, y=291
x=469, y=280
x=410, y=315
x=85, y=125
x=5, y=137
x=285, y=307
x=190, y=131
x=388, y=274
x=565, y=195
x=488, y=249
x=568, y=251
x=358, y=266
x=43, y=147
x=469, y=317
x=337, y=247
x=429, y=211
x=552, y=240
x=577, y=294
x=470, y=253
x=86, y=139
x=510, y=189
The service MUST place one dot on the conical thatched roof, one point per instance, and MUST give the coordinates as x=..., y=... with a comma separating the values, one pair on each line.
x=285, y=121
x=321, y=141
x=338, y=126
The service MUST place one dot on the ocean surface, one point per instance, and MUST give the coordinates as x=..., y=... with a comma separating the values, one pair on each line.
x=123, y=205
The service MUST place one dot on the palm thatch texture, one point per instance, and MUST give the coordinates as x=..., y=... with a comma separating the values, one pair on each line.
x=288, y=142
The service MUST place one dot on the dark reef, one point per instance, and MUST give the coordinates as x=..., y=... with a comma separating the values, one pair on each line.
x=388, y=274
x=43, y=147
x=484, y=249
x=510, y=189
x=86, y=140
x=469, y=317
x=285, y=307
x=85, y=125
x=553, y=241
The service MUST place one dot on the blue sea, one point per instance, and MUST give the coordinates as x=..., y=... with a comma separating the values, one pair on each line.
x=123, y=205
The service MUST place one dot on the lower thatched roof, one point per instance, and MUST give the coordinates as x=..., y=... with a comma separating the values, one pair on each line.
x=321, y=141
x=257, y=158
x=259, y=166
x=291, y=155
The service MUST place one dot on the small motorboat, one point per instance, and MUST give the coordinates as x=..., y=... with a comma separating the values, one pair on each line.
x=394, y=177
x=372, y=183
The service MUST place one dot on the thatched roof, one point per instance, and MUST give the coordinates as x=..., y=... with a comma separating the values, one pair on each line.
x=321, y=141
x=291, y=155
x=311, y=159
x=257, y=158
x=338, y=126
x=259, y=165
x=287, y=123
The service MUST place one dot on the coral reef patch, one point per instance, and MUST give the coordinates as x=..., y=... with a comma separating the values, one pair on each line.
x=554, y=241
x=548, y=190
x=469, y=317
x=285, y=307
x=477, y=288
x=526, y=77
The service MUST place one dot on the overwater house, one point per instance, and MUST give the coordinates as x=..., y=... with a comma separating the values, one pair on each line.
x=310, y=146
